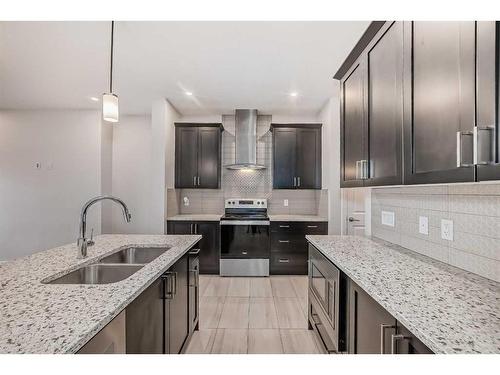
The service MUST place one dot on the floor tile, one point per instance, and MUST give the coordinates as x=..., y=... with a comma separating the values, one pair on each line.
x=300, y=285
x=201, y=341
x=290, y=313
x=260, y=287
x=264, y=341
x=210, y=311
x=238, y=287
x=299, y=341
x=204, y=282
x=230, y=341
x=235, y=313
x=282, y=286
x=262, y=313
x=217, y=287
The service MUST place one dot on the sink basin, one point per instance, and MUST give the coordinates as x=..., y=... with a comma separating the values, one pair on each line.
x=135, y=255
x=98, y=274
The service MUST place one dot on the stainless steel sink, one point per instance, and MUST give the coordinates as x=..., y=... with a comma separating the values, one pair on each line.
x=135, y=255
x=98, y=274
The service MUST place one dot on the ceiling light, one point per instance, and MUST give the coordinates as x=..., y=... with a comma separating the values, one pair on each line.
x=94, y=98
x=294, y=94
x=109, y=100
x=189, y=93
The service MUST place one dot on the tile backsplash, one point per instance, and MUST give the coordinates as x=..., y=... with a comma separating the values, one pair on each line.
x=473, y=208
x=248, y=184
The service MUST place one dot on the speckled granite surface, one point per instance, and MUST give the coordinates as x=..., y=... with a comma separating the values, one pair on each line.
x=42, y=318
x=195, y=217
x=296, y=218
x=448, y=309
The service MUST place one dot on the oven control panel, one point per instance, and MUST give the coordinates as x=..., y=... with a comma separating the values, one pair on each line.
x=245, y=203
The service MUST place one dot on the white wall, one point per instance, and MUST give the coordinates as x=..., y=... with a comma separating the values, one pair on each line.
x=330, y=117
x=131, y=173
x=39, y=208
x=163, y=117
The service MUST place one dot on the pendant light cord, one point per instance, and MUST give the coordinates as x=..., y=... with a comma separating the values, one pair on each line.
x=111, y=65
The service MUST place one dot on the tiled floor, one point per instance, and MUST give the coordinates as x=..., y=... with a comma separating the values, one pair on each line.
x=254, y=315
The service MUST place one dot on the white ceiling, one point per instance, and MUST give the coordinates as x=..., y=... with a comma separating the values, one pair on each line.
x=226, y=65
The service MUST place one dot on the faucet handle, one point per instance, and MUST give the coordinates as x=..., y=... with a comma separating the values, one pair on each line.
x=91, y=242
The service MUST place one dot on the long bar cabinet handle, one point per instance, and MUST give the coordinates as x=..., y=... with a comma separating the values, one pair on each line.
x=383, y=327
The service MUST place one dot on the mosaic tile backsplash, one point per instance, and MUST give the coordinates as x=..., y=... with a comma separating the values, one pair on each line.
x=248, y=184
x=473, y=208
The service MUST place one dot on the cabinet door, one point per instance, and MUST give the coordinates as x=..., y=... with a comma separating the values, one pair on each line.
x=209, y=158
x=180, y=227
x=405, y=342
x=439, y=101
x=366, y=321
x=308, y=158
x=186, y=157
x=177, y=317
x=488, y=100
x=284, y=147
x=209, y=247
x=353, y=127
x=385, y=106
x=144, y=321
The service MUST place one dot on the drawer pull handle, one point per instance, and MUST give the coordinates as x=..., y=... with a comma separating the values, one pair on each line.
x=283, y=241
x=312, y=226
x=244, y=252
x=284, y=260
x=284, y=226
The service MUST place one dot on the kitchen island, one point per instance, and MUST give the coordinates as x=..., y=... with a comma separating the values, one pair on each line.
x=36, y=317
x=446, y=308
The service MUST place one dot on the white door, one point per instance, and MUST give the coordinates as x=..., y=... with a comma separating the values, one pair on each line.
x=354, y=212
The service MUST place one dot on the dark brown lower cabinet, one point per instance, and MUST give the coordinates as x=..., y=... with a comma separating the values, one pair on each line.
x=373, y=330
x=157, y=321
x=209, y=244
x=289, y=248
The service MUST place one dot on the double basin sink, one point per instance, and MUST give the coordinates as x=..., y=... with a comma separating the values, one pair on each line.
x=112, y=268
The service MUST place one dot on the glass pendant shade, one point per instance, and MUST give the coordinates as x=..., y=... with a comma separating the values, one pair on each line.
x=110, y=107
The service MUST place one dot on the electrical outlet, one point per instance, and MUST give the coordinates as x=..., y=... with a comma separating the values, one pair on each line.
x=186, y=201
x=447, y=229
x=285, y=202
x=423, y=225
x=388, y=218
x=38, y=165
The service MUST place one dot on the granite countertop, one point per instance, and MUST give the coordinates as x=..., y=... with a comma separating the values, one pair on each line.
x=292, y=217
x=195, y=217
x=448, y=309
x=44, y=318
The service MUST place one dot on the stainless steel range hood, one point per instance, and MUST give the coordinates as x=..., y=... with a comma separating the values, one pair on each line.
x=245, y=132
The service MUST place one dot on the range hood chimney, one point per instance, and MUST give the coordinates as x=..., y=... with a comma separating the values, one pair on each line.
x=245, y=132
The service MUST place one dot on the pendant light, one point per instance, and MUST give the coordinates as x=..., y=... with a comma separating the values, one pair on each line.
x=110, y=100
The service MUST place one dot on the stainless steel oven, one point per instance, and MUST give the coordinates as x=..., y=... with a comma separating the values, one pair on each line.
x=245, y=242
x=325, y=300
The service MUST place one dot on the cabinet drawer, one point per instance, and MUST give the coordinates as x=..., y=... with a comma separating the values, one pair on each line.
x=299, y=227
x=288, y=264
x=286, y=243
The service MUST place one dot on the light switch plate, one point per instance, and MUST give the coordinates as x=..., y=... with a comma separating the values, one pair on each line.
x=285, y=202
x=423, y=225
x=447, y=229
x=388, y=218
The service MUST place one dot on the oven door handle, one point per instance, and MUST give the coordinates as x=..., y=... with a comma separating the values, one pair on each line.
x=244, y=222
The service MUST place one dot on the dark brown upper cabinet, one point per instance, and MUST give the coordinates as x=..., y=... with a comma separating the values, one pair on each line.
x=296, y=156
x=198, y=155
x=439, y=91
x=419, y=104
x=487, y=100
x=372, y=112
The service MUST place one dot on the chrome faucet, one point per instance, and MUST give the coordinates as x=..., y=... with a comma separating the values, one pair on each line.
x=82, y=241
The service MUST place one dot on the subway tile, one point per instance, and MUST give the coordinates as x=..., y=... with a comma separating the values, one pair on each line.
x=476, y=224
x=478, y=245
x=474, y=189
x=427, y=248
x=473, y=263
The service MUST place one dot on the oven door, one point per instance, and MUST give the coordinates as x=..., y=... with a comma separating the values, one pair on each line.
x=244, y=239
